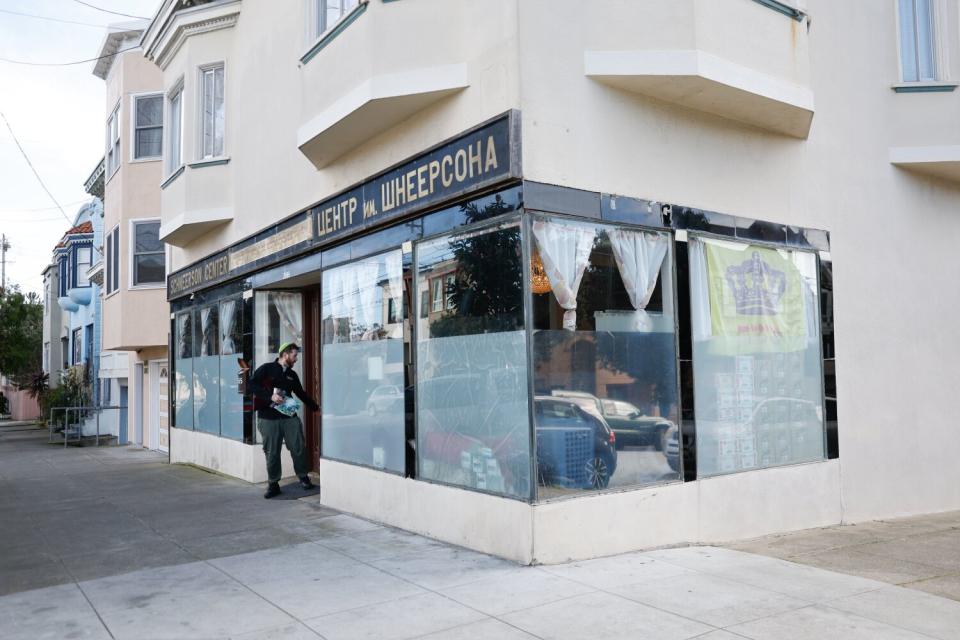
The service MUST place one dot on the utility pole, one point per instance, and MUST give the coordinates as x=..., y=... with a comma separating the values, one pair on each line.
x=4, y=245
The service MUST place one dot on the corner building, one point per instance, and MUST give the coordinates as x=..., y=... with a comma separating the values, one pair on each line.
x=571, y=280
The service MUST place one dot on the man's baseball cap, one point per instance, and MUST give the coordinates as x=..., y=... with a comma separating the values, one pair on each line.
x=286, y=346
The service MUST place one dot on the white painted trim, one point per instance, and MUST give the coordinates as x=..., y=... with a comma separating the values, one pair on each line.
x=694, y=62
x=131, y=223
x=406, y=83
x=198, y=133
x=177, y=87
x=137, y=405
x=920, y=155
x=198, y=216
x=132, y=126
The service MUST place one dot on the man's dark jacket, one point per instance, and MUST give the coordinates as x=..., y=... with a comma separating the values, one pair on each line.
x=270, y=376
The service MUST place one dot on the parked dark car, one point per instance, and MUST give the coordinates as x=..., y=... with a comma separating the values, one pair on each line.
x=633, y=429
x=575, y=448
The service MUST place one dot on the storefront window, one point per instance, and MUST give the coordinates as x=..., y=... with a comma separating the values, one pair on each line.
x=183, y=373
x=472, y=405
x=231, y=348
x=206, y=371
x=362, y=362
x=604, y=356
x=278, y=319
x=756, y=356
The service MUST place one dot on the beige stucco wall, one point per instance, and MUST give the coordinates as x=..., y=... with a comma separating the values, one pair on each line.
x=132, y=317
x=893, y=232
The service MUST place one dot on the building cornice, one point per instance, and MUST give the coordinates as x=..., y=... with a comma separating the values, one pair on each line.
x=173, y=25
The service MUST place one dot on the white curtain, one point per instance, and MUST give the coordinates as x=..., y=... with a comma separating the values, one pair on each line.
x=639, y=256
x=369, y=313
x=228, y=310
x=335, y=293
x=394, y=261
x=699, y=290
x=565, y=251
x=205, y=330
x=290, y=309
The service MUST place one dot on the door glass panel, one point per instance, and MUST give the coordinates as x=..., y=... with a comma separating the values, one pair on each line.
x=278, y=319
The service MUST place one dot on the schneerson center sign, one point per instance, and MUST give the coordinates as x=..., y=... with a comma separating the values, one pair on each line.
x=480, y=158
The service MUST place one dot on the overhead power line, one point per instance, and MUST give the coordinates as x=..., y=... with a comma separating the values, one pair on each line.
x=15, y=210
x=116, y=13
x=30, y=164
x=31, y=15
x=67, y=64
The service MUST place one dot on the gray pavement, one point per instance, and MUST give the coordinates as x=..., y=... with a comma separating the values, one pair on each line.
x=115, y=543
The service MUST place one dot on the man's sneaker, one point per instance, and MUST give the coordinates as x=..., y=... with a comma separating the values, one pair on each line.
x=272, y=490
x=305, y=483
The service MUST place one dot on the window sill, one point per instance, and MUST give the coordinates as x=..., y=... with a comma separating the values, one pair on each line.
x=209, y=162
x=146, y=159
x=786, y=8
x=107, y=296
x=327, y=36
x=173, y=176
x=924, y=87
x=147, y=287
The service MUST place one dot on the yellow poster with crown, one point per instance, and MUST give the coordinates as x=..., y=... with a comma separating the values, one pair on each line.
x=756, y=296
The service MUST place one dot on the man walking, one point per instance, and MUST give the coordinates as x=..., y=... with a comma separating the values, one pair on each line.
x=273, y=386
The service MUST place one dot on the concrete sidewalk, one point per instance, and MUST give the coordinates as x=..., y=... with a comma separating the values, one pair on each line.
x=115, y=543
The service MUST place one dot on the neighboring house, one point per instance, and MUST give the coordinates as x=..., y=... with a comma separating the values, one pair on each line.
x=133, y=273
x=78, y=297
x=52, y=324
x=698, y=209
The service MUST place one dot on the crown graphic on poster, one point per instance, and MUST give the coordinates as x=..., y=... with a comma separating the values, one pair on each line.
x=757, y=287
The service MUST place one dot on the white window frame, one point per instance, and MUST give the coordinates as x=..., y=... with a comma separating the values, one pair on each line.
x=132, y=252
x=317, y=14
x=81, y=272
x=201, y=154
x=114, y=233
x=171, y=167
x=133, y=125
x=112, y=151
x=937, y=46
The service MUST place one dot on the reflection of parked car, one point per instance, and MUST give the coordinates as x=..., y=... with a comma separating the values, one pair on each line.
x=631, y=426
x=385, y=398
x=671, y=448
x=575, y=448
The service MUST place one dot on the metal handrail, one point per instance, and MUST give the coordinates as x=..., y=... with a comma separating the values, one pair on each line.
x=66, y=424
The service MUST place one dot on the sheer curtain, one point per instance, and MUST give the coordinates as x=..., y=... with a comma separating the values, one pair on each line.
x=639, y=256
x=368, y=312
x=565, y=251
x=228, y=309
x=289, y=307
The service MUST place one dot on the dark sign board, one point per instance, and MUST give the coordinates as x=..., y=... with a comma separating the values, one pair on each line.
x=480, y=158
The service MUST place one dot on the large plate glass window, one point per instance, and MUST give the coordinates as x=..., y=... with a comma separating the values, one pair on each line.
x=604, y=356
x=472, y=404
x=278, y=318
x=149, y=261
x=362, y=361
x=148, y=127
x=918, y=54
x=206, y=371
x=183, y=371
x=231, y=348
x=756, y=356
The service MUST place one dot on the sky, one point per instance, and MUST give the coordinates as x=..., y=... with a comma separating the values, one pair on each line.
x=58, y=114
